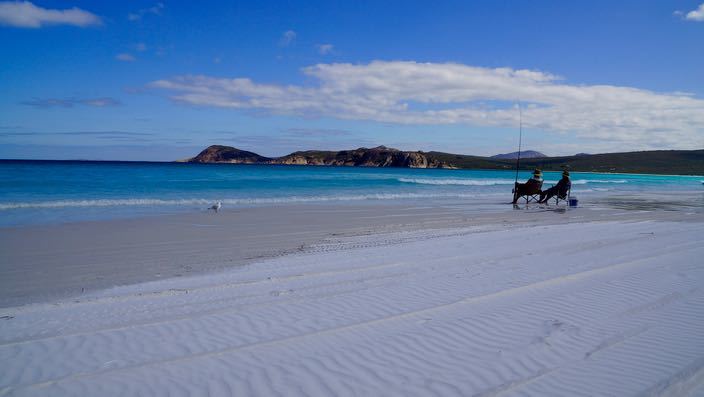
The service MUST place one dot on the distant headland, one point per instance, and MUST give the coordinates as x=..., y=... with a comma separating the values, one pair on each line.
x=681, y=162
x=380, y=156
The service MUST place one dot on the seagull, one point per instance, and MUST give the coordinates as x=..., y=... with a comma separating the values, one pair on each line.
x=215, y=207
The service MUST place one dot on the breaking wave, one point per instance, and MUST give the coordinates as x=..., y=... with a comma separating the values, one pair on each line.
x=149, y=202
x=466, y=182
x=495, y=182
x=600, y=181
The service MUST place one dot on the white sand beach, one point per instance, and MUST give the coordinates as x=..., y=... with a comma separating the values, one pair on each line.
x=374, y=302
x=351, y=198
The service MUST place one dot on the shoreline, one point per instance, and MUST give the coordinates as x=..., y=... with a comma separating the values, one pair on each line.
x=64, y=260
x=68, y=211
x=42, y=263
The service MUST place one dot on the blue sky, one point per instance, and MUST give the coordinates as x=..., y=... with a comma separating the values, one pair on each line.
x=145, y=80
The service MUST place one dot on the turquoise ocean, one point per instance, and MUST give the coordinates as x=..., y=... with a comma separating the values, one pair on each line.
x=34, y=192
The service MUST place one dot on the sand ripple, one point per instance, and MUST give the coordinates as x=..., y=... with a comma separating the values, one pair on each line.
x=614, y=311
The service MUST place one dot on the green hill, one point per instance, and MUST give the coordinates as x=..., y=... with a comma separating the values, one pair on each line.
x=680, y=162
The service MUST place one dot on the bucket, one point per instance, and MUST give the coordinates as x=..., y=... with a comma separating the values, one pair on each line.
x=573, y=201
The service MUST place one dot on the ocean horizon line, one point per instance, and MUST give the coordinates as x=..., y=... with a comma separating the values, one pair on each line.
x=184, y=163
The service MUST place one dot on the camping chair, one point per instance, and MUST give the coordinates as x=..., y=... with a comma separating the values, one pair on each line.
x=531, y=197
x=558, y=197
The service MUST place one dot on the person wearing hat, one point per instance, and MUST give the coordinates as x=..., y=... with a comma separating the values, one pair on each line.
x=532, y=186
x=563, y=186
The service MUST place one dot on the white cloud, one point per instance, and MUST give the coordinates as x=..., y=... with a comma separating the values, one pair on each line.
x=155, y=10
x=696, y=15
x=100, y=102
x=141, y=47
x=125, y=57
x=325, y=49
x=44, y=103
x=287, y=38
x=429, y=93
x=24, y=14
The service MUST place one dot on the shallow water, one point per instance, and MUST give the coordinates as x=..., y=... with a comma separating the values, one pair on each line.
x=60, y=191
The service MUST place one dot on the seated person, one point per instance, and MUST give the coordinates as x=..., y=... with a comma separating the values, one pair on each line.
x=532, y=186
x=561, y=189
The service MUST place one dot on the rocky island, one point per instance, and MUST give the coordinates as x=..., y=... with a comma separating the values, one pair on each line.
x=380, y=156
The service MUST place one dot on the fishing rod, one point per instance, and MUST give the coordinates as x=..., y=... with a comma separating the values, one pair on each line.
x=520, y=138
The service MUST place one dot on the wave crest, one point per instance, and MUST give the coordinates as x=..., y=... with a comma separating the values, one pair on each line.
x=147, y=202
x=465, y=182
x=495, y=182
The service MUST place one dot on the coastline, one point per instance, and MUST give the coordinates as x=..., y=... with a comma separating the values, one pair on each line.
x=412, y=300
x=64, y=260
x=67, y=260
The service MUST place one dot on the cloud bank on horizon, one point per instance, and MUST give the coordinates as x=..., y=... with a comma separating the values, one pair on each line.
x=407, y=92
x=24, y=14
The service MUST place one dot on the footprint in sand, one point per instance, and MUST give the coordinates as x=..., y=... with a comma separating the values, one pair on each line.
x=552, y=329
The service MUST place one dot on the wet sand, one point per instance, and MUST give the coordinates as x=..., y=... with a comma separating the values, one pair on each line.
x=47, y=262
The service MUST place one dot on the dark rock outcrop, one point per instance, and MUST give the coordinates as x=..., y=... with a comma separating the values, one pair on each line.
x=380, y=156
x=227, y=154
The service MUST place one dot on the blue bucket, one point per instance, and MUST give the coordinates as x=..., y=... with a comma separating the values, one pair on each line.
x=573, y=201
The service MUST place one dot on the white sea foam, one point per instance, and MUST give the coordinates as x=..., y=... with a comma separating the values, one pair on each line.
x=494, y=182
x=150, y=202
x=601, y=181
x=591, y=181
x=466, y=182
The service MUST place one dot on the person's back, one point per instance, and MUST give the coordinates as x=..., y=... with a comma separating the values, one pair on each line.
x=560, y=190
x=563, y=186
x=531, y=187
